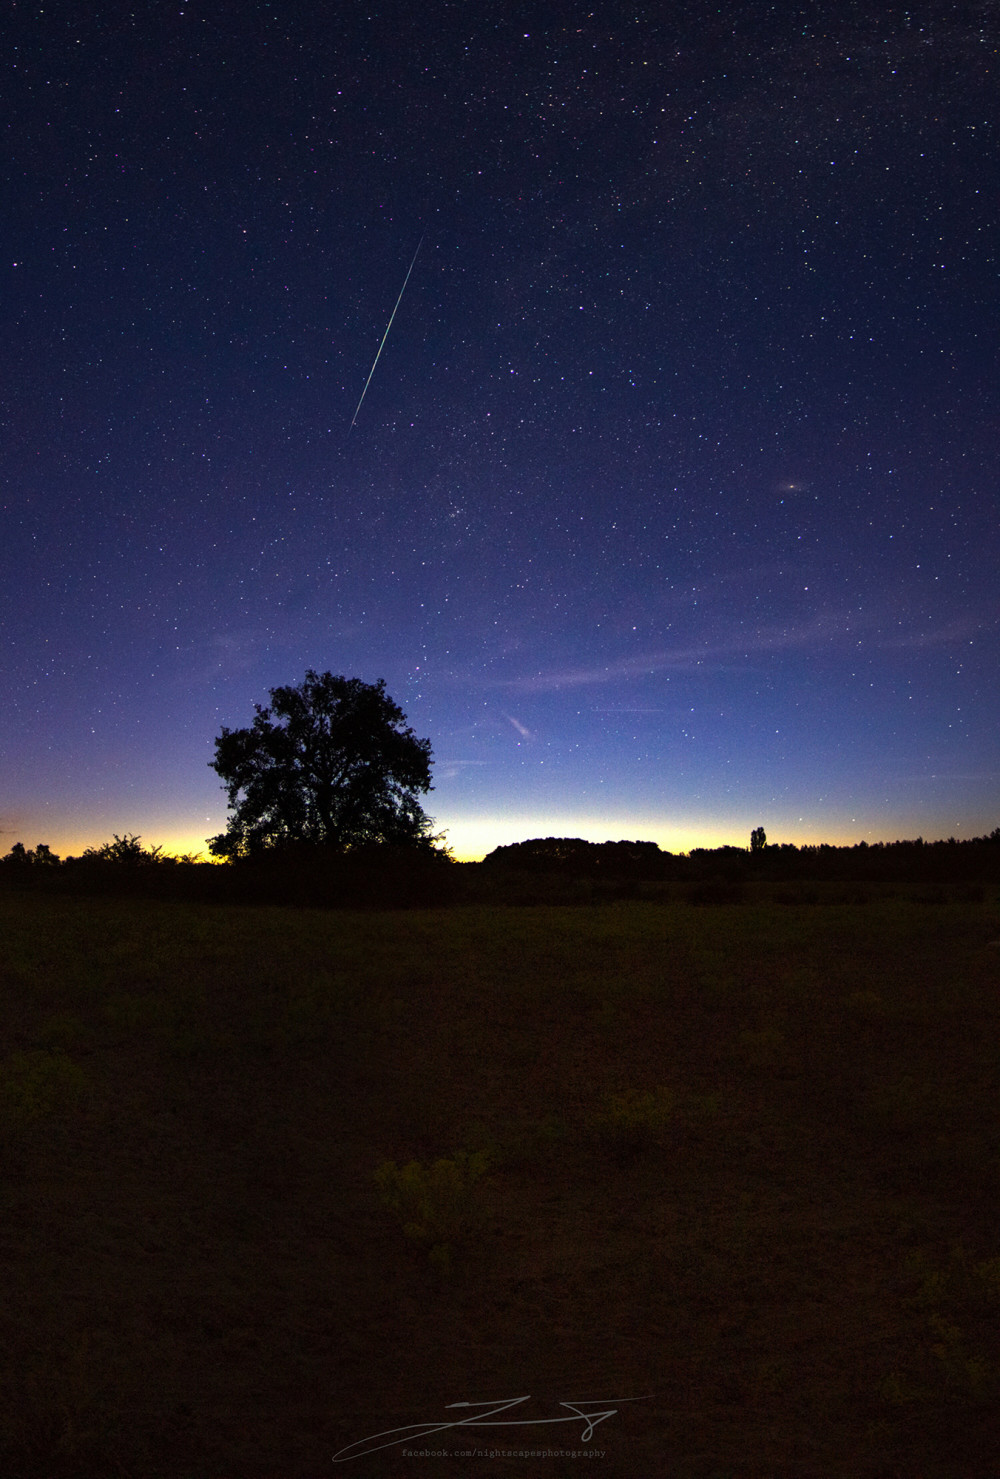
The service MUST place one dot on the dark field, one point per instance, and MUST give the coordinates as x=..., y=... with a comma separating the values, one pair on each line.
x=741, y=1163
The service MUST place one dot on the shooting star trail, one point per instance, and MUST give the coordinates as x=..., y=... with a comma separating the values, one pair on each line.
x=384, y=338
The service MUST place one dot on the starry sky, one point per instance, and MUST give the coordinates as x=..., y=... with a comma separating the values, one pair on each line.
x=671, y=508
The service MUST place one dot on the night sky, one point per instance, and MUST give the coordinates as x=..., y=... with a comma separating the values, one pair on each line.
x=671, y=508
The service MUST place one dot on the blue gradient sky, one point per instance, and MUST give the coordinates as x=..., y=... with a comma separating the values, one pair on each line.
x=671, y=509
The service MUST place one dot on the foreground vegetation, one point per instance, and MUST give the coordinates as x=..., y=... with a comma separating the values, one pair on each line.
x=276, y=1180
x=543, y=870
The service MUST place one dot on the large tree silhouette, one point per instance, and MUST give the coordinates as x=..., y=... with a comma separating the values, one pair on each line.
x=328, y=764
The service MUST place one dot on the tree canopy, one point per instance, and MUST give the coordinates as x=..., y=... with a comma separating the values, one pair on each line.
x=128, y=851
x=40, y=856
x=326, y=764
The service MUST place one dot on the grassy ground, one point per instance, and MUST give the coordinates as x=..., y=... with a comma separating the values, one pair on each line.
x=739, y=1162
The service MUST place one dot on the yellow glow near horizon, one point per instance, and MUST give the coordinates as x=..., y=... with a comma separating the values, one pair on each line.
x=71, y=844
x=471, y=837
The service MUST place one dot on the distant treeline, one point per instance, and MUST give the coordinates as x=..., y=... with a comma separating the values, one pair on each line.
x=784, y=862
x=542, y=870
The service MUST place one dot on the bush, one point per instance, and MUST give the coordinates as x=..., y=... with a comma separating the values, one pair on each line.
x=439, y=1204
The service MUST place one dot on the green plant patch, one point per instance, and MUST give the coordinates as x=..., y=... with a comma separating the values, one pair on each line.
x=439, y=1204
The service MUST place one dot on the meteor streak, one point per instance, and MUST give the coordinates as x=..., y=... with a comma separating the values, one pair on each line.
x=384, y=338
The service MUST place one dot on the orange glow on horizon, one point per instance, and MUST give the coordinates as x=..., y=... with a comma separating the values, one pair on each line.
x=470, y=838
